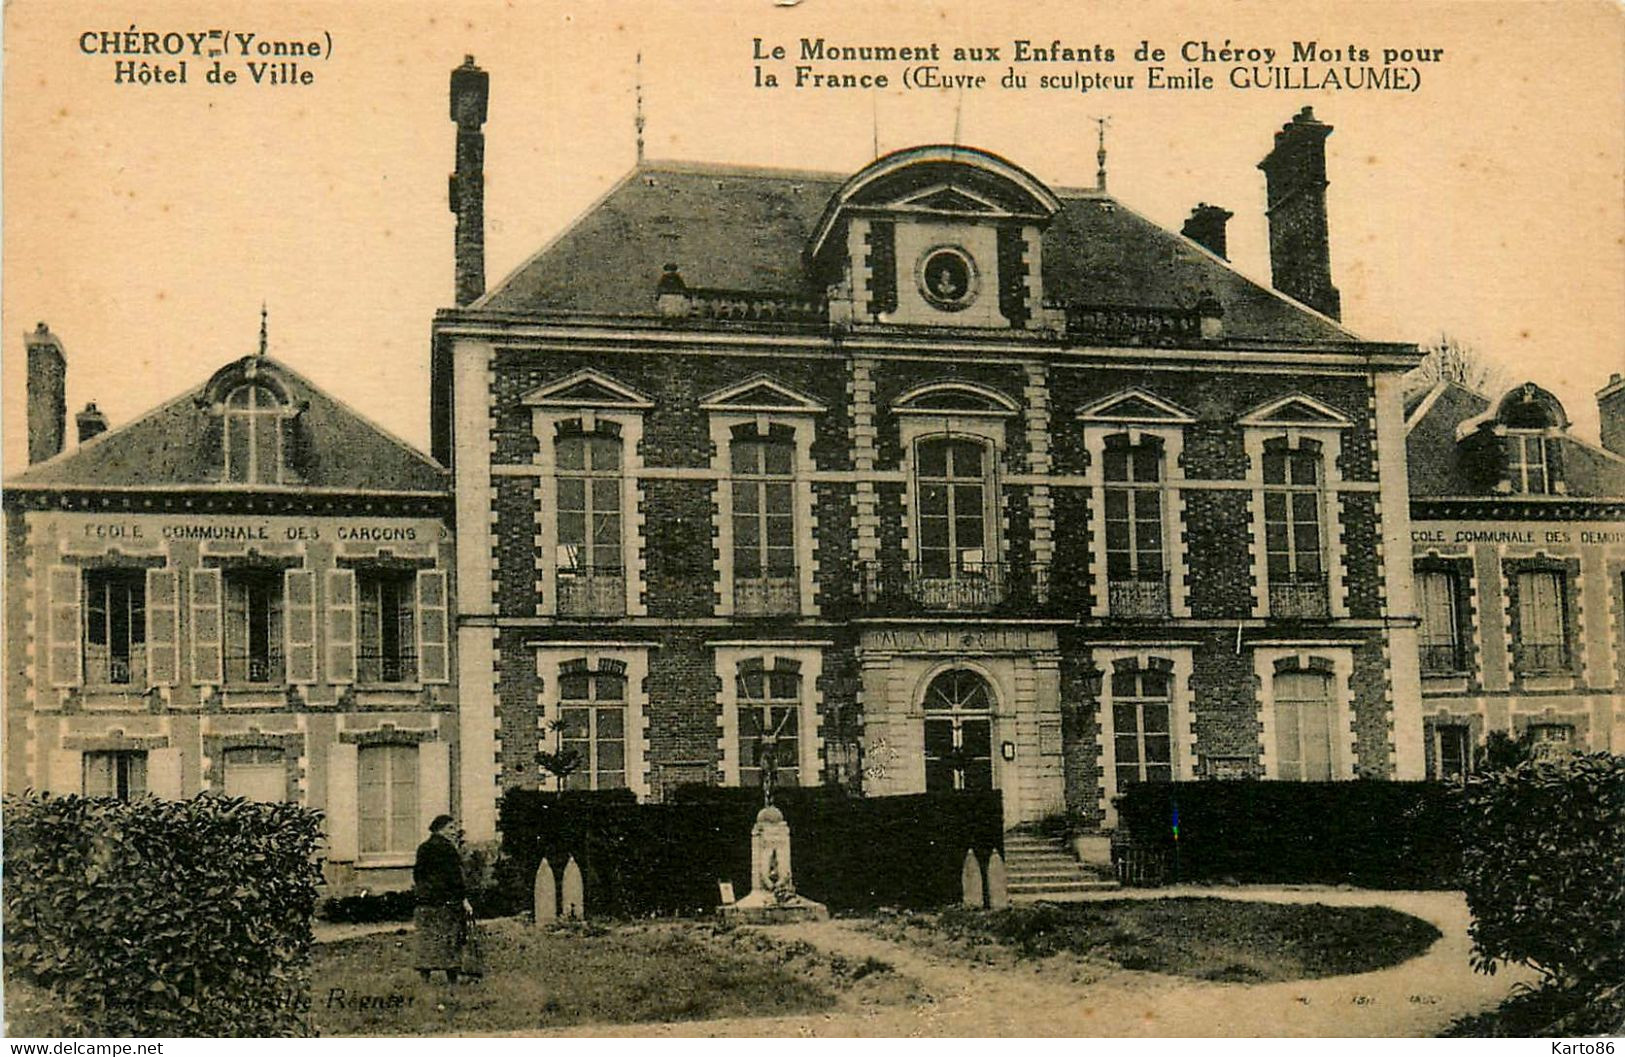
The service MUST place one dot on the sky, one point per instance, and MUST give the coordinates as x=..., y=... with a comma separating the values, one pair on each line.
x=147, y=223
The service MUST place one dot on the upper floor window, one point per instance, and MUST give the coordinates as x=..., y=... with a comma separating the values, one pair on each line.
x=1135, y=563
x=115, y=627
x=1293, y=538
x=121, y=774
x=764, y=540
x=1542, y=634
x=253, y=444
x=1527, y=466
x=592, y=718
x=1142, y=743
x=955, y=536
x=591, y=573
x=1440, y=635
x=769, y=722
x=253, y=625
x=386, y=633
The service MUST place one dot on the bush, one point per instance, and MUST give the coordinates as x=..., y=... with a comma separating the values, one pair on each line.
x=1542, y=868
x=366, y=908
x=157, y=917
x=1373, y=834
x=847, y=852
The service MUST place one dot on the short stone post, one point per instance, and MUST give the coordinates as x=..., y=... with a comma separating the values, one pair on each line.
x=970, y=879
x=547, y=894
x=998, y=882
x=572, y=901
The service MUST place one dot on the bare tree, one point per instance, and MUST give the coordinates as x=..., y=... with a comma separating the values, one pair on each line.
x=1448, y=360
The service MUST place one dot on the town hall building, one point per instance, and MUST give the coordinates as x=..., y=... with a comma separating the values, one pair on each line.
x=927, y=476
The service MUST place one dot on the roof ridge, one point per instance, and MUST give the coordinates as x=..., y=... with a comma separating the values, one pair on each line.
x=365, y=420
x=684, y=165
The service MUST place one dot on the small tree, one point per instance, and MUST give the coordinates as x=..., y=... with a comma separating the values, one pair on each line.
x=561, y=763
x=1448, y=360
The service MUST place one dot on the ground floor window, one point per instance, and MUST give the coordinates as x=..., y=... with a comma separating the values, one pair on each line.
x=120, y=774
x=256, y=773
x=1303, y=726
x=1547, y=740
x=769, y=722
x=1453, y=749
x=958, y=732
x=592, y=717
x=389, y=798
x=1141, y=731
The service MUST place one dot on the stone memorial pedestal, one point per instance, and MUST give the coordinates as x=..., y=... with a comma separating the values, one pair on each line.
x=772, y=899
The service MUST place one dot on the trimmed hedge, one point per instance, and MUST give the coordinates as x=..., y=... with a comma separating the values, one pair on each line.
x=1373, y=834
x=1543, y=870
x=159, y=917
x=850, y=853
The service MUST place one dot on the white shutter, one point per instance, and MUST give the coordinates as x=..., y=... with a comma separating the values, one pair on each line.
x=163, y=627
x=434, y=782
x=432, y=634
x=341, y=626
x=64, y=772
x=66, y=625
x=299, y=624
x=164, y=773
x=205, y=620
x=343, y=802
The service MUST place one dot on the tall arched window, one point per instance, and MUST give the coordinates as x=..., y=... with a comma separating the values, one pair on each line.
x=956, y=540
x=1142, y=738
x=958, y=732
x=1135, y=565
x=764, y=534
x=253, y=435
x=1292, y=530
x=1303, y=725
x=769, y=721
x=592, y=715
x=591, y=576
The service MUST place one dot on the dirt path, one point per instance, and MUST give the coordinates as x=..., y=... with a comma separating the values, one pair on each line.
x=1068, y=998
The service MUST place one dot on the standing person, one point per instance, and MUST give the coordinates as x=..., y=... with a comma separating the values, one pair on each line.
x=438, y=891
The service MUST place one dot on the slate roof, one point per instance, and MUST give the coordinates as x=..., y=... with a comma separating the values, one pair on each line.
x=744, y=228
x=1436, y=457
x=177, y=444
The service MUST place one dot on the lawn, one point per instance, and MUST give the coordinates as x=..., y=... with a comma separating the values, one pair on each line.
x=1202, y=938
x=559, y=976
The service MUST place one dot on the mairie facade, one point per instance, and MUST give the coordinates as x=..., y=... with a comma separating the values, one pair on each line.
x=246, y=591
x=1518, y=544
x=928, y=476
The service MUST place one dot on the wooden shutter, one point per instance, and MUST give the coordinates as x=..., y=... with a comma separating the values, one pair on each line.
x=343, y=803
x=341, y=625
x=432, y=634
x=299, y=624
x=164, y=773
x=205, y=620
x=64, y=771
x=434, y=782
x=66, y=624
x=163, y=627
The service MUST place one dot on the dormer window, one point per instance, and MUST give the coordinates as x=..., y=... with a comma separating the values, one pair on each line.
x=1516, y=445
x=253, y=435
x=1527, y=467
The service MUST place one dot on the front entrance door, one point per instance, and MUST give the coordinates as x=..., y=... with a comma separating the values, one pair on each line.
x=958, y=732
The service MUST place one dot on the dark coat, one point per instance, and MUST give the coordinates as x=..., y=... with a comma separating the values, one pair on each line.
x=437, y=877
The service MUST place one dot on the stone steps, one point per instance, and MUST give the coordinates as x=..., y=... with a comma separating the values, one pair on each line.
x=1043, y=870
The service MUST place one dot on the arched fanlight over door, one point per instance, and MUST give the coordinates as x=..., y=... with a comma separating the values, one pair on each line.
x=958, y=732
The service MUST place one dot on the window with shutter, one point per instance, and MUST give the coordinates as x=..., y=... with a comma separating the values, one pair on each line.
x=1303, y=726
x=388, y=779
x=206, y=627
x=1440, y=632
x=1542, y=636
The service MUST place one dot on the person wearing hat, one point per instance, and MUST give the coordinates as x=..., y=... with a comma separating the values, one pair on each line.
x=441, y=901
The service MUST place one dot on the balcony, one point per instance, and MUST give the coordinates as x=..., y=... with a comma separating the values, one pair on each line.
x=1132, y=324
x=767, y=596
x=972, y=587
x=1299, y=598
x=1442, y=659
x=1145, y=598
x=254, y=668
x=372, y=666
x=105, y=668
x=1537, y=658
x=592, y=591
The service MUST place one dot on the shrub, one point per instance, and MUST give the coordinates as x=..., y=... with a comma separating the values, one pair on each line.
x=158, y=917
x=850, y=853
x=1542, y=867
x=1374, y=834
x=366, y=908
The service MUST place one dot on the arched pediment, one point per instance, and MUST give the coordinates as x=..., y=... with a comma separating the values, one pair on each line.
x=954, y=398
x=942, y=180
x=250, y=370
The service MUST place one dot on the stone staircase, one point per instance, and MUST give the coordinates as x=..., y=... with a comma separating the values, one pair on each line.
x=1042, y=869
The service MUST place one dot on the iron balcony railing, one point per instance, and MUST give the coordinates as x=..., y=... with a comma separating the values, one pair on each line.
x=592, y=591
x=1537, y=658
x=774, y=595
x=104, y=669
x=254, y=668
x=1299, y=598
x=1443, y=658
x=1142, y=598
x=372, y=666
x=968, y=587
x=1132, y=324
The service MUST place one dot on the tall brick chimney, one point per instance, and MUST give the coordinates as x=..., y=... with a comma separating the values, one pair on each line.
x=91, y=422
x=470, y=89
x=1295, y=174
x=1205, y=227
x=47, y=394
x=1611, y=409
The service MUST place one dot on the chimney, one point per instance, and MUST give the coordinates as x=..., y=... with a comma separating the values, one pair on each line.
x=1205, y=227
x=1295, y=174
x=47, y=394
x=1611, y=410
x=91, y=422
x=470, y=88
